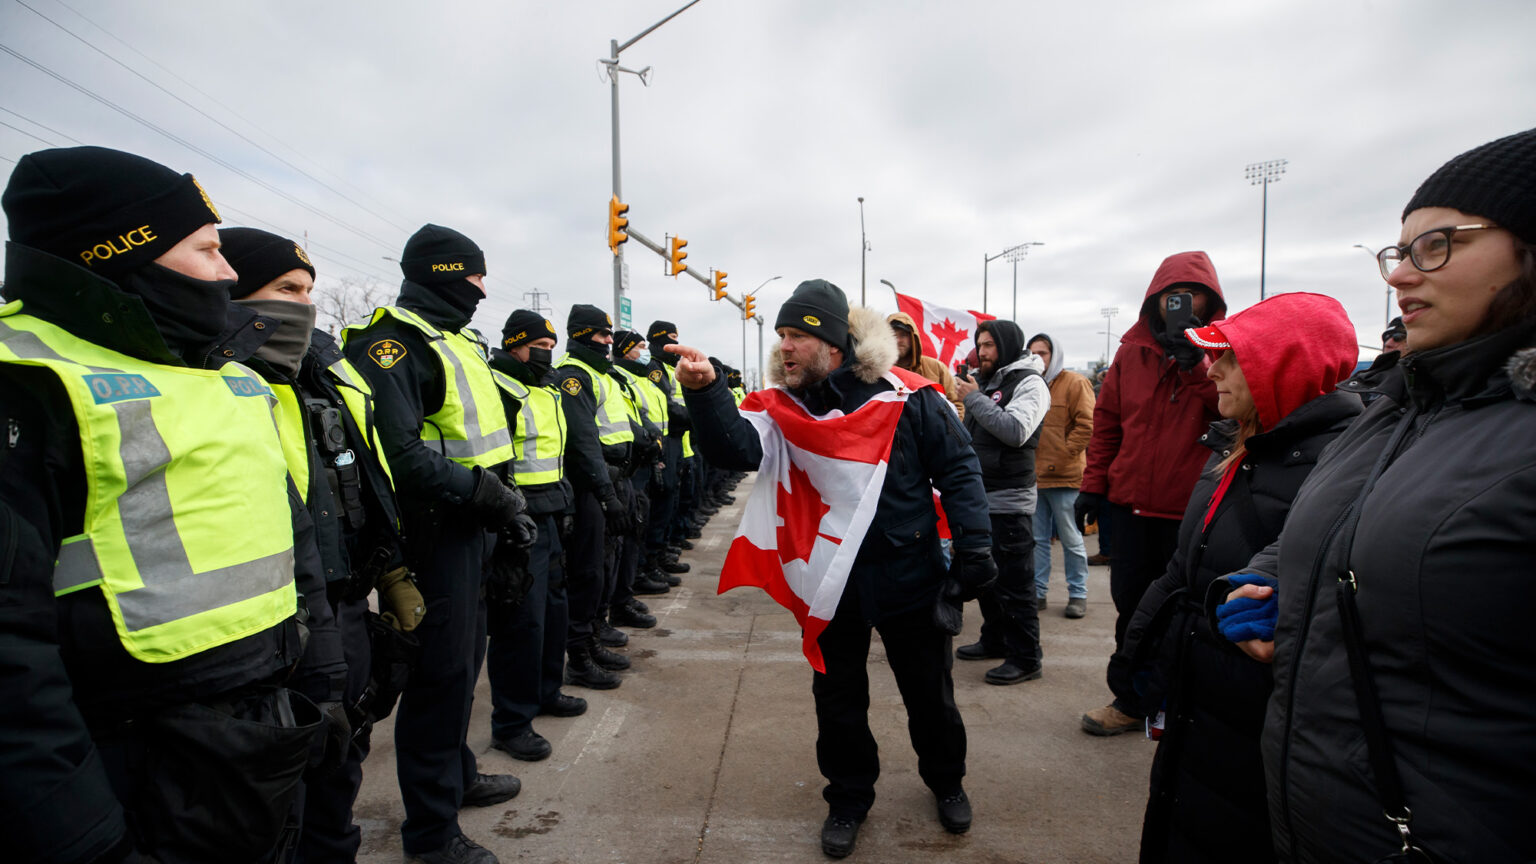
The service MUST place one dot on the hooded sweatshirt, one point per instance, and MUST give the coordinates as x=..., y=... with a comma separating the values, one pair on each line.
x=931, y=368
x=1068, y=425
x=1146, y=453
x=1003, y=416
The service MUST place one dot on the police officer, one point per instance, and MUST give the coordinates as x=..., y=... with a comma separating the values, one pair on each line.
x=664, y=538
x=651, y=405
x=325, y=419
x=158, y=594
x=526, y=658
x=596, y=401
x=440, y=418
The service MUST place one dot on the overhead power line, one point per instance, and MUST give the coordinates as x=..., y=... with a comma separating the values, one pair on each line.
x=190, y=146
x=40, y=126
x=28, y=134
x=220, y=123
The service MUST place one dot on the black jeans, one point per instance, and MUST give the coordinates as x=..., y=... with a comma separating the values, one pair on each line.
x=1010, y=618
x=1141, y=548
x=920, y=657
x=525, y=661
x=432, y=759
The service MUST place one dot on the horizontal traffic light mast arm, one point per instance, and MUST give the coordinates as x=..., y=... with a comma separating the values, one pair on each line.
x=660, y=250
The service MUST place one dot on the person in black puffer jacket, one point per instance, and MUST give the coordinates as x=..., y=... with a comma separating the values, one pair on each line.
x=1276, y=368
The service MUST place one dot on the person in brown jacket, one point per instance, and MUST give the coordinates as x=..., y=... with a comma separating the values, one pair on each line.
x=909, y=356
x=1059, y=464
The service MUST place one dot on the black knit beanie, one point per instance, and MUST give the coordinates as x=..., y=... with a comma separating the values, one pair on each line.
x=1496, y=181
x=525, y=325
x=586, y=319
x=624, y=340
x=435, y=255
x=819, y=308
x=663, y=333
x=108, y=211
x=259, y=257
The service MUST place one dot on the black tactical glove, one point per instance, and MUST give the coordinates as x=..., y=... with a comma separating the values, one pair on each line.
x=1187, y=353
x=974, y=571
x=1086, y=509
x=615, y=515
x=496, y=502
x=521, y=532
x=509, y=578
x=337, y=734
x=948, y=608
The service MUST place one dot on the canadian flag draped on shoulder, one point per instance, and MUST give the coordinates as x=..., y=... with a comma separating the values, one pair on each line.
x=816, y=493
x=948, y=334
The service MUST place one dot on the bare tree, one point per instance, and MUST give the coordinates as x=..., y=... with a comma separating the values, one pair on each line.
x=348, y=300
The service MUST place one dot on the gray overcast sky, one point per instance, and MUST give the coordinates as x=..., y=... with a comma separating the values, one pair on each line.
x=1116, y=133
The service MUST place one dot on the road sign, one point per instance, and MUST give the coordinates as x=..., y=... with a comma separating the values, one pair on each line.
x=624, y=317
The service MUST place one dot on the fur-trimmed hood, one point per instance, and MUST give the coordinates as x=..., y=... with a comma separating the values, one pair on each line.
x=874, y=348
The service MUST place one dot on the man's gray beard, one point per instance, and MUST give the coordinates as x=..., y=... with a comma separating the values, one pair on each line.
x=811, y=373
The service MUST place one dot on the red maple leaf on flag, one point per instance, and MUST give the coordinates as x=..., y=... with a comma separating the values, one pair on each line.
x=949, y=337
x=802, y=509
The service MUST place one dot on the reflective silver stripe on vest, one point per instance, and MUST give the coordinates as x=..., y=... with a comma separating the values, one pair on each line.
x=531, y=439
x=77, y=567
x=476, y=443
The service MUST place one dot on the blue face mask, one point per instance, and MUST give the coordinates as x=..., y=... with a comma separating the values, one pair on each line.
x=644, y=359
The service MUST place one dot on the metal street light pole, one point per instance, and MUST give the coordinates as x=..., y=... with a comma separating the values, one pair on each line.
x=1264, y=173
x=759, y=320
x=612, y=62
x=1371, y=252
x=1109, y=313
x=1014, y=254
x=863, y=250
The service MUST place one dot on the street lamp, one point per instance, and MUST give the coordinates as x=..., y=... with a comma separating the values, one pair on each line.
x=1371, y=252
x=1109, y=313
x=759, y=320
x=1014, y=254
x=612, y=62
x=1264, y=173
x=863, y=249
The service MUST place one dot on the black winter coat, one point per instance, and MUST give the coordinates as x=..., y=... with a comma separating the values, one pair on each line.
x=900, y=565
x=1444, y=557
x=1207, y=793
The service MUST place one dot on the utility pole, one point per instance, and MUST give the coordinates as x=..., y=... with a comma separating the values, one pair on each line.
x=535, y=305
x=863, y=250
x=1109, y=313
x=1264, y=173
x=612, y=62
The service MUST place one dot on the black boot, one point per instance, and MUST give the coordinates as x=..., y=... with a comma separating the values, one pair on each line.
x=610, y=660
x=646, y=586
x=611, y=636
x=670, y=564
x=629, y=616
x=580, y=671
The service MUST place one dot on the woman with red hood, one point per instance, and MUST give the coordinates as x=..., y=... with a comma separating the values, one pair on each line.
x=1276, y=366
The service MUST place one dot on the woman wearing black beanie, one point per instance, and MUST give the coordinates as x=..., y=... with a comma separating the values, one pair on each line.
x=1404, y=708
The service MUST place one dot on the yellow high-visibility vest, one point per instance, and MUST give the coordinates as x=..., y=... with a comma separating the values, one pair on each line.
x=187, y=529
x=612, y=414
x=538, y=433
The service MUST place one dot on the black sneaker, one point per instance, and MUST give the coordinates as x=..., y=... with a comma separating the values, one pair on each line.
x=608, y=659
x=608, y=635
x=491, y=789
x=955, y=812
x=1012, y=673
x=530, y=746
x=459, y=850
x=626, y=616
x=978, y=651
x=564, y=706
x=838, y=834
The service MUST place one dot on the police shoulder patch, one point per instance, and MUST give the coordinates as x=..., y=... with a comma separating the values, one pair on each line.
x=571, y=385
x=386, y=353
x=655, y=376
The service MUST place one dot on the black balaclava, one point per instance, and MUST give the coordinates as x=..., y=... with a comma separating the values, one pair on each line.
x=525, y=325
x=440, y=259
x=585, y=322
x=662, y=334
x=189, y=313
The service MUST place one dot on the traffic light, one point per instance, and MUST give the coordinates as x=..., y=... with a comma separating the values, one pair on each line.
x=720, y=284
x=617, y=224
x=678, y=255
x=747, y=306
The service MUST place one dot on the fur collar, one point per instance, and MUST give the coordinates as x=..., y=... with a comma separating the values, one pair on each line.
x=1521, y=369
x=874, y=347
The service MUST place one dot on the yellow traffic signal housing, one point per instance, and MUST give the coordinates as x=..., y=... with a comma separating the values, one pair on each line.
x=617, y=224
x=677, y=256
x=720, y=284
x=748, y=306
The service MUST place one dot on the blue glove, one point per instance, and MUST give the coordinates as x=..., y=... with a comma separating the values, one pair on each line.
x=1246, y=618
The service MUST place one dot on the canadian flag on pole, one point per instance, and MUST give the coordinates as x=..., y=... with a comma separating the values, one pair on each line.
x=816, y=493
x=948, y=334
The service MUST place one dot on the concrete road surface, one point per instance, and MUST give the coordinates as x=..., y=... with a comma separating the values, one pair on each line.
x=706, y=753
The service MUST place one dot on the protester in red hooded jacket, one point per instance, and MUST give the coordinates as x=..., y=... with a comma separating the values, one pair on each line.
x=1275, y=370
x=1145, y=454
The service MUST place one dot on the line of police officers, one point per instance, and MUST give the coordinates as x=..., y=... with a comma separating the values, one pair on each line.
x=200, y=492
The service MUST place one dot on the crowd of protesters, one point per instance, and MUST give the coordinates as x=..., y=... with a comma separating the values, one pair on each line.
x=232, y=543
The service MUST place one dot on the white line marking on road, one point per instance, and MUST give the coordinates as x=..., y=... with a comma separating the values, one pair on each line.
x=678, y=603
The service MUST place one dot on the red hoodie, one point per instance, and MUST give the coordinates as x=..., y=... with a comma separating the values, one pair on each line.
x=1145, y=453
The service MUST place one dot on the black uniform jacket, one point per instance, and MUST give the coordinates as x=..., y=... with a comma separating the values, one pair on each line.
x=62, y=665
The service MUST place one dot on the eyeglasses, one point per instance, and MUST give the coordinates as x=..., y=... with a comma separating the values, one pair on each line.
x=1429, y=251
x=1394, y=336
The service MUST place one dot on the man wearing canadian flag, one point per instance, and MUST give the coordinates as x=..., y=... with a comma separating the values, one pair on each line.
x=842, y=528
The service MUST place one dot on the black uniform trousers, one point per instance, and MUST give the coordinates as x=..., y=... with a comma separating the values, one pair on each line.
x=1010, y=616
x=525, y=660
x=329, y=833
x=432, y=759
x=584, y=569
x=920, y=657
x=615, y=589
x=663, y=496
x=1141, y=547
x=632, y=543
